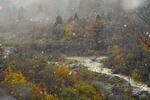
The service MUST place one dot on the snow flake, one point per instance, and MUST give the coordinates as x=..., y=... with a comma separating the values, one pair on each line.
x=125, y=25
x=74, y=34
x=17, y=21
x=73, y=8
x=42, y=52
x=31, y=19
x=1, y=8
x=47, y=19
x=147, y=33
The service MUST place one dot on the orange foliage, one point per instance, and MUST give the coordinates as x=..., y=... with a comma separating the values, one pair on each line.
x=88, y=31
x=70, y=29
x=145, y=44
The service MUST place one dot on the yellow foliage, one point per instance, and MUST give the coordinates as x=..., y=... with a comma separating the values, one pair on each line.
x=41, y=94
x=116, y=53
x=136, y=75
x=61, y=73
x=118, y=58
x=14, y=78
x=115, y=50
x=97, y=97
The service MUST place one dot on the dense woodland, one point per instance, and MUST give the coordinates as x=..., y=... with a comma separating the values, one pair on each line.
x=33, y=64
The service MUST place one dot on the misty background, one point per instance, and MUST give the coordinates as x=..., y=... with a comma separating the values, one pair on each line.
x=25, y=12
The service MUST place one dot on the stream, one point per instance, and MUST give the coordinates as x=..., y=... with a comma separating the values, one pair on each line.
x=95, y=64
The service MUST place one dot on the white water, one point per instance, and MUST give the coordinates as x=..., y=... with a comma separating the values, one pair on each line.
x=96, y=65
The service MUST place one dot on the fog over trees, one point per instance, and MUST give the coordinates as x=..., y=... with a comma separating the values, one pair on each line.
x=75, y=49
x=37, y=9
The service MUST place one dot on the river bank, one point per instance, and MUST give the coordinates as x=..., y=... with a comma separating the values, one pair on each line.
x=95, y=65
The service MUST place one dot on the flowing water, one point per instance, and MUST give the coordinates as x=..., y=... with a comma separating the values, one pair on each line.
x=95, y=64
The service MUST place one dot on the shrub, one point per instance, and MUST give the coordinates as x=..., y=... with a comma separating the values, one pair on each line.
x=14, y=77
x=41, y=94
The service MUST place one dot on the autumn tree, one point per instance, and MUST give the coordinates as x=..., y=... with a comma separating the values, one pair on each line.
x=61, y=73
x=88, y=32
x=64, y=75
x=116, y=54
x=144, y=42
x=14, y=77
x=93, y=31
x=136, y=75
x=70, y=30
x=39, y=93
